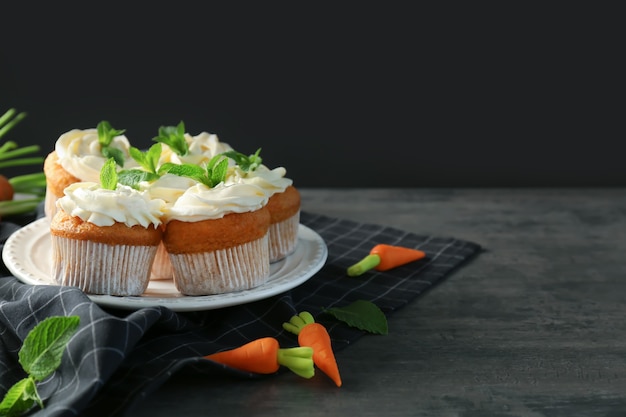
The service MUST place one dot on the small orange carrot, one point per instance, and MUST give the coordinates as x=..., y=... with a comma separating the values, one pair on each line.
x=264, y=356
x=315, y=335
x=384, y=257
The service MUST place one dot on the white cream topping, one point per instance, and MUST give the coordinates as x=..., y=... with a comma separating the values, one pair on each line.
x=168, y=187
x=202, y=148
x=79, y=153
x=93, y=204
x=272, y=181
x=203, y=203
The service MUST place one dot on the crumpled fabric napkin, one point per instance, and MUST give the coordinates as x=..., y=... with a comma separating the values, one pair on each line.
x=118, y=356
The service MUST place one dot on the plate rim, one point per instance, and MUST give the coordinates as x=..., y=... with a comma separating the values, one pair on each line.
x=317, y=255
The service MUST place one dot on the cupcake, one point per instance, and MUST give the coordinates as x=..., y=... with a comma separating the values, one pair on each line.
x=217, y=239
x=104, y=240
x=284, y=200
x=79, y=155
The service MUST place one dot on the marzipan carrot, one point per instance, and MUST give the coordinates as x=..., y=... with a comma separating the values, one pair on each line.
x=315, y=335
x=264, y=356
x=383, y=257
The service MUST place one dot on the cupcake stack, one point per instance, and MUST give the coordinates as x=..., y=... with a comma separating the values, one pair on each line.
x=190, y=209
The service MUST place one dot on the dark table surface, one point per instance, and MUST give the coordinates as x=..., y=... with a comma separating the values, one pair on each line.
x=533, y=326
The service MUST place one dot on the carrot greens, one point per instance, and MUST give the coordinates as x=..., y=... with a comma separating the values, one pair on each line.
x=31, y=187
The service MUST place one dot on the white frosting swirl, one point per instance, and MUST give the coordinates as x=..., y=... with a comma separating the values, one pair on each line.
x=272, y=181
x=203, y=203
x=93, y=204
x=79, y=153
x=168, y=187
x=202, y=148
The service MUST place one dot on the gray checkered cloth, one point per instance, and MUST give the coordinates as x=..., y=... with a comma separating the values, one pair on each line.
x=117, y=357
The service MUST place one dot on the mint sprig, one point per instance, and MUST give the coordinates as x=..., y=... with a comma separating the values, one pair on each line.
x=212, y=174
x=363, y=315
x=39, y=356
x=106, y=134
x=246, y=162
x=148, y=160
x=174, y=137
x=108, y=175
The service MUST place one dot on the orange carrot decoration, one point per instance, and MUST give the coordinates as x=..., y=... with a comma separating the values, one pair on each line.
x=384, y=257
x=264, y=356
x=315, y=335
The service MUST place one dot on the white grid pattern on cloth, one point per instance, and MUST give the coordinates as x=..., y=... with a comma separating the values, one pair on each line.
x=116, y=358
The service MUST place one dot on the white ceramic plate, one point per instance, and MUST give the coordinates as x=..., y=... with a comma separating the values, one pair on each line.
x=27, y=254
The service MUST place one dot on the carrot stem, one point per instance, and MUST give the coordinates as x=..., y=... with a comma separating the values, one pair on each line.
x=364, y=265
x=299, y=360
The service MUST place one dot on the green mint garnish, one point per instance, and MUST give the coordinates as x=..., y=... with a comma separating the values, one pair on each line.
x=212, y=174
x=363, y=315
x=246, y=162
x=132, y=177
x=174, y=137
x=106, y=133
x=108, y=175
x=148, y=160
x=39, y=356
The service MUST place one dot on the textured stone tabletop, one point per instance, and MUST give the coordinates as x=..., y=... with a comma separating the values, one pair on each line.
x=533, y=326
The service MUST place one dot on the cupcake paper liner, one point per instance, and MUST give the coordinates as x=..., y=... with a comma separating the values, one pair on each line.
x=226, y=270
x=100, y=268
x=283, y=237
x=162, y=266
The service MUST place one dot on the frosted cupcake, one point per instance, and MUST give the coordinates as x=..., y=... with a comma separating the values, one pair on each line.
x=217, y=239
x=79, y=155
x=284, y=200
x=104, y=240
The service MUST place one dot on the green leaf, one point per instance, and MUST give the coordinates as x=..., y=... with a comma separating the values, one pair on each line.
x=363, y=315
x=116, y=154
x=216, y=171
x=149, y=159
x=106, y=133
x=43, y=348
x=20, y=398
x=246, y=163
x=108, y=175
x=132, y=177
x=188, y=170
x=174, y=137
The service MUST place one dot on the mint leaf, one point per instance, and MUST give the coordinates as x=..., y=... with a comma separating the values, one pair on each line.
x=106, y=134
x=108, y=175
x=174, y=137
x=132, y=177
x=363, y=315
x=211, y=175
x=43, y=347
x=20, y=398
x=246, y=163
x=116, y=154
x=149, y=159
x=216, y=171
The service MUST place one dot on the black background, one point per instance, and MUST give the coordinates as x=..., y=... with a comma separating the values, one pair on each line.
x=355, y=95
